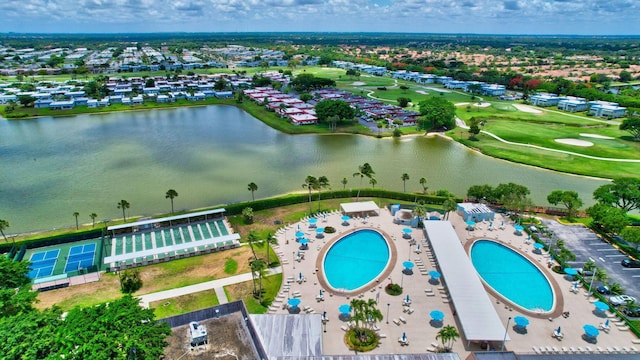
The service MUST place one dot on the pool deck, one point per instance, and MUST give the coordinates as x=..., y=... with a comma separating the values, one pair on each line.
x=420, y=332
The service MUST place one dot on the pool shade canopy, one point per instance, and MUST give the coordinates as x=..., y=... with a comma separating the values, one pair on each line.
x=570, y=271
x=518, y=227
x=471, y=223
x=346, y=218
x=293, y=302
x=299, y=234
x=345, y=308
x=319, y=230
x=304, y=241
x=434, y=274
x=601, y=306
x=313, y=221
x=538, y=245
x=408, y=265
x=437, y=315
x=591, y=330
x=521, y=321
x=407, y=231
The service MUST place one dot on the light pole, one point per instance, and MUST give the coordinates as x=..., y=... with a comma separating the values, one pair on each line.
x=388, y=312
x=410, y=246
x=402, y=279
x=294, y=260
x=505, y=333
x=595, y=271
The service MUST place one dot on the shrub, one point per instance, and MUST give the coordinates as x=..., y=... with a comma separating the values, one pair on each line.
x=130, y=281
x=393, y=289
x=329, y=230
x=367, y=341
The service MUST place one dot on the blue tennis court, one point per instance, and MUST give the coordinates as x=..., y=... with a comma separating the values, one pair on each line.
x=80, y=257
x=42, y=263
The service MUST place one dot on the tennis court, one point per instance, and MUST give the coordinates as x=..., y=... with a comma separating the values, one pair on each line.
x=80, y=257
x=42, y=263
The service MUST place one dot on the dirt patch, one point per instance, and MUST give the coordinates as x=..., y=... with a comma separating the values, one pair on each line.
x=597, y=136
x=358, y=83
x=574, y=142
x=482, y=104
x=527, y=109
x=229, y=339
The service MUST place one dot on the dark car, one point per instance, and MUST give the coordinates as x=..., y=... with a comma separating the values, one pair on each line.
x=584, y=272
x=602, y=289
x=630, y=263
x=631, y=311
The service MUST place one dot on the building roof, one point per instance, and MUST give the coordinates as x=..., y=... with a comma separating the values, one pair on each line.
x=475, y=208
x=359, y=207
x=476, y=314
x=289, y=336
x=168, y=218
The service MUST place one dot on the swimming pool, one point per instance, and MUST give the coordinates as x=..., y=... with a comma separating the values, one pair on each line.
x=356, y=260
x=512, y=275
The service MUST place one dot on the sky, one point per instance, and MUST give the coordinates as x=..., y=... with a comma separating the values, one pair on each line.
x=579, y=17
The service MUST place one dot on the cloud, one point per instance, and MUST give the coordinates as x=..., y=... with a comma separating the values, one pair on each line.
x=511, y=5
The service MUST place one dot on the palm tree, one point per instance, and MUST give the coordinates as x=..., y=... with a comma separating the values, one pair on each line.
x=93, y=217
x=420, y=210
x=257, y=267
x=447, y=335
x=170, y=195
x=364, y=170
x=124, y=204
x=344, y=183
x=372, y=313
x=616, y=289
x=251, y=239
x=4, y=224
x=76, y=214
x=323, y=182
x=449, y=205
x=271, y=240
x=404, y=178
x=252, y=187
x=310, y=183
x=373, y=182
x=423, y=182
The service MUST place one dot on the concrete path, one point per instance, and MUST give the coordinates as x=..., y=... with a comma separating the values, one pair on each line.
x=213, y=284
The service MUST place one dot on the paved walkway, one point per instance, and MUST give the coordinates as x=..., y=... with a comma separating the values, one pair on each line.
x=218, y=285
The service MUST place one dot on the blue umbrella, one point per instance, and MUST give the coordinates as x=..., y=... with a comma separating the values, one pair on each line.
x=408, y=265
x=606, y=323
x=601, y=306
x=324, y=216
x=299, y=234
x=434, y=274
x=407, y=299
x=471, y=223
x=518, y=228
x=591, y=331
x=521, y=321
x=312, y=221
x=404, y=336
x=437, y=315
x=570, y=271
x=346, y=218
x=293, y=302
x=418, y=248
x=321, y=293
x=407, y=231
x=300, y=276
x=304, y=241
x=538, y=245
x=298, y=227
x=345, y=308
x=319, y=230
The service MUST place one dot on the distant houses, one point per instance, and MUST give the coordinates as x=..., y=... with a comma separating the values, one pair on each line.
x=602, y=109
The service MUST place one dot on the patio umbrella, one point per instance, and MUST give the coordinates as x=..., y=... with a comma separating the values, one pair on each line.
x=346, y=218
x=407, y=230
x=324, y=216
x=313, y=221
x=418, y=248
x=319, y=230
x=404, y=336
x=300, y=277
x=518, y=228
x=558, y=330
x=521, y=321
x=570, y=271
x=538, y=246
x=437, y=315
x=407, y=299
x=294, y=302
x=591, y=331
x=324, y=315
x=434, y=274
x=298, y=227
x=408, y=265
x=345, y=309
x=321, y=294
x=606, y=323
x=601, y=306
x=304, y=241
x=299, y=234
x=471, y=224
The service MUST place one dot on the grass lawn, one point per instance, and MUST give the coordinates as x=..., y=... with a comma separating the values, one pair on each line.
x=244, y=291
x=184, y=304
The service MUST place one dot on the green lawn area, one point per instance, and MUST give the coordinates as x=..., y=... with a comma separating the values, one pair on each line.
x=244, y=291
x=184, y=304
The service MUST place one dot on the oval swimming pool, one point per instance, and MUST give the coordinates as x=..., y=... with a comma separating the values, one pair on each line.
x=356, y=260
x=512, y=275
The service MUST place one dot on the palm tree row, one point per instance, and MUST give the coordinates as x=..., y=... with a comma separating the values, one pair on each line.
x=313, y=183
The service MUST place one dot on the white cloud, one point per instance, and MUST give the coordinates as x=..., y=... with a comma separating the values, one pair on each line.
x=480, y=16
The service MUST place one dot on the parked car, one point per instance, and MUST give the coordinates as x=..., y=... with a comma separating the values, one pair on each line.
x=630, y=263
x=604, y=290
x=631, y=311
x=617, y=300
x=584, y=272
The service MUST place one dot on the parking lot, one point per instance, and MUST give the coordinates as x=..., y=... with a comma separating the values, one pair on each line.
x=586, y=244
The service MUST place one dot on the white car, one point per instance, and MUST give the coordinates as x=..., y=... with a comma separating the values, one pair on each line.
x=621, y=300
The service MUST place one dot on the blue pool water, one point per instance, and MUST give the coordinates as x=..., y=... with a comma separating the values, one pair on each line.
x=356, y=259
x=512, y=275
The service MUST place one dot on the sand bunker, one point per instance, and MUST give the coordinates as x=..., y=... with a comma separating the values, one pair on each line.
x=422, y=92
x=357, y=83
x=574, y=142
x=597, y=136
x=527, y=108
x=438, y=89
x=482, y=105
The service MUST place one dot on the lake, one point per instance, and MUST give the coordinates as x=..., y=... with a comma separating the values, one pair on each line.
x=53, y=167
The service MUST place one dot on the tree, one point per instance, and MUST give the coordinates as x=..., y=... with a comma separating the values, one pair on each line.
x=271, y=240
x=449, y=205
x=512, y=196
x=420, y=211
x=632, y=126
x=364, y=170
x=93, y=217
x=344, y=183
x=474, y=128
x=26, y=100
x=76, y=214
x=423, y=183
x=252, y=238
x=403, y=101
x=323, y=183
x=404, y=177
x=623, y=193
x=130, y=281
x=252, y=187
x=438, y=112
x=247, y=213
x=171, y=194
x=447, y=335
x=257, y=268
x=481, y=192
x=150, y=83
x=220, y=84
x=4, y=224
x=15, y=293
x=625, y=76
x=310, y=183
x=124, y=204
x=373, y=182
x=631, y=234
x=570, y=199
x=610, y=219
x=328, y=107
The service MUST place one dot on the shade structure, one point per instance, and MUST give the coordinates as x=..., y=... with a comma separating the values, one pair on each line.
x=407, y=230
x=518, y=228
x=299, y=234
x=408, y=265
x=590, y=330
x=570, y=271
x=293, y=302
x=313, y=221
x=437, y=315
x=601, y=306
x=319, y=230
x=434, y=274
x=345, y=309
x=471, y=224
x=304, y=241
x=538, y=245
x=346, y=217
x=521, y=321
